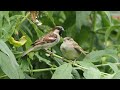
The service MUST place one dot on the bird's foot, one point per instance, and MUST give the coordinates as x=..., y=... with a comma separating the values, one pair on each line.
x=49, y=52
x=74, y=62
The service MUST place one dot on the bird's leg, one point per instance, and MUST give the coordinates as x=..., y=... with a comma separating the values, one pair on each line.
x=51, y=55
x=49, y=52
x=73, y=62
x=51, y=49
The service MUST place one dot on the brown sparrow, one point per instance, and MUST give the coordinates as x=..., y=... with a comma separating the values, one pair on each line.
x=70, y=49
x=47, y=41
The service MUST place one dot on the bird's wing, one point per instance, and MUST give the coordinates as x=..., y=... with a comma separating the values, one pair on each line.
x=49, y=38
x=79, y=49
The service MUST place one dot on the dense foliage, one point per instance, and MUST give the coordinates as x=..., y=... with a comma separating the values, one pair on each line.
x=97, y=32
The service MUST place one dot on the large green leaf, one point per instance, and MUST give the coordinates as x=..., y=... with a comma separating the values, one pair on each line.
x=63, y=72
x=43, y=59
x=75, y=74
x=117, y=75
x=8, y=63
x=4, y=14
x=24, y=65
x=82, y=18
x=95, y=55
x=50, y=15
x=86, y=64
x=109, y=30
x=113, y=66
x=106, y=18
x=38, y=31
x=92, y=73
x=12, y=70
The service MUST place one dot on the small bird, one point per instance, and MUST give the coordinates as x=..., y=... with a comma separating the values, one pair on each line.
x=47, y=41
x=70, y=49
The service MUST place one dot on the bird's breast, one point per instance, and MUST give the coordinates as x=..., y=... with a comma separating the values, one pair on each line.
x=68, y=51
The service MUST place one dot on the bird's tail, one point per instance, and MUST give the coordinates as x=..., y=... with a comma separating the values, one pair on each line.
x=26, y=52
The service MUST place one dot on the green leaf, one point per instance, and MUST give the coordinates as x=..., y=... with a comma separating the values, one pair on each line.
x=70, y=30
x=82, y=18
x=86, y=64
x=7, y=32
x=28, y=30
x=117, y=75
x=92, y=73
x=106, y=18
x=24, y=65
x=109, y=30
x=38, y=31
x=12, y=70
x=95, y=55
x=50, y=15
x=63, y=72
x=108, y=76
x=4, y=14
x=43, y=59
x=58, y=61
x=75, y=74
x=1, y=19
x=70, y=19
x=8, y=63
x=113, y=66
x=28, y=77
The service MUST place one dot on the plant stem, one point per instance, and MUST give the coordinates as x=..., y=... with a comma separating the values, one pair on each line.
x=55, y=55
x=80, y=67
x=40, y=70
x=3, y=76
x=61, y=58
x=105, y=64
x=74, y=64
x=17, y=25
x=94, y=20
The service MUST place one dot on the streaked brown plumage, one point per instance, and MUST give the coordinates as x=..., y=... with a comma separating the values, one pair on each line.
x=47, y=41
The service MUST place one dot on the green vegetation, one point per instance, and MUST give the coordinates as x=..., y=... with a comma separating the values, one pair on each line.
x=97, y=32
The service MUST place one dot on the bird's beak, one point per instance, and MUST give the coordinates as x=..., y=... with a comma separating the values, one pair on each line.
x=61, y=31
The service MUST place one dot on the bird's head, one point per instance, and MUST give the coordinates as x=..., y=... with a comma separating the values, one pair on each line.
x=59, y=29
x=68, y=39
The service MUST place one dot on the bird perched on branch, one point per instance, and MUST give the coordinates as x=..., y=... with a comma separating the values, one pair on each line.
x=70, y=49
x=47, y=41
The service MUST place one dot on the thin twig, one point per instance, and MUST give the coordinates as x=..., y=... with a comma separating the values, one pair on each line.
x=40, y=70
x=3, y=76
x=106, y=64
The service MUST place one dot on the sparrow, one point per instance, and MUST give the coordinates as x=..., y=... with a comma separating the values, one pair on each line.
x=70, y=49
x=47, y=41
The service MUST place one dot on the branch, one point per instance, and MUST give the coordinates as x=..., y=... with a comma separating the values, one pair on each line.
x=3, y=76
x=74, y=64
x=40, y=70
x=106, y=64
